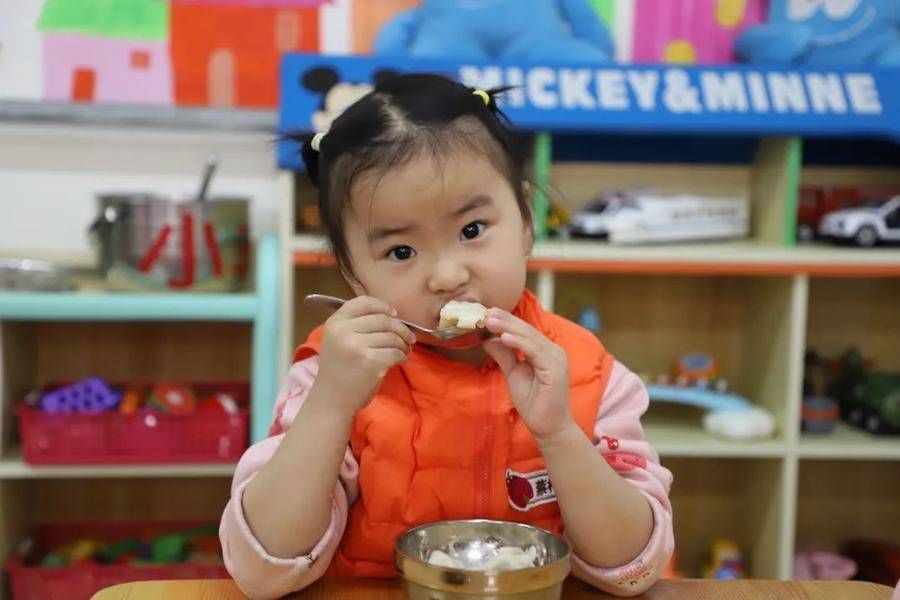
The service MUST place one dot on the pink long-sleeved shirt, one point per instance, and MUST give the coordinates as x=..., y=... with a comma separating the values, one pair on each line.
x=618, y=436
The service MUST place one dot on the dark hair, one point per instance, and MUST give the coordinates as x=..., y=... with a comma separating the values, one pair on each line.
x=401, y=117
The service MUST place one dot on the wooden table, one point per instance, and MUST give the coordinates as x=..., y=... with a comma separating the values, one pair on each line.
x=361, y=589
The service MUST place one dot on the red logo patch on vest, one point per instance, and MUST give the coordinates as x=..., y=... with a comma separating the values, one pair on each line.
x=527, y=490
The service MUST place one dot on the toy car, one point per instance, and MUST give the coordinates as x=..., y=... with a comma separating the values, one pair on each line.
x=696, y=368
x=641, y=217
x=875, y=405
x=869, y=400
x=879, y=221
x=818, y=201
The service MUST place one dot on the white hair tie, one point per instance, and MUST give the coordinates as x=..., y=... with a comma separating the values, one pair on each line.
x=316, y=141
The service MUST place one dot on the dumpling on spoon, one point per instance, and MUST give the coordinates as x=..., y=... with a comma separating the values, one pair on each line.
x=464, y=315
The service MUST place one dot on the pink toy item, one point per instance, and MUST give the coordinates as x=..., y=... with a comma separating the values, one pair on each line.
x=819, y=564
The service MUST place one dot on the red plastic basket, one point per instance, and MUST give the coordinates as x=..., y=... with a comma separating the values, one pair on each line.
x=145, y=437
x=80, y=582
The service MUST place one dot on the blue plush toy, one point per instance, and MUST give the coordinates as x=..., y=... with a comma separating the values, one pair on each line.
x=498, y=29
x=825, y=33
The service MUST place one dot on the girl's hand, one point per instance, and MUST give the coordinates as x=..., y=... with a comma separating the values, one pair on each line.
x=539, y=385
x=362, y=340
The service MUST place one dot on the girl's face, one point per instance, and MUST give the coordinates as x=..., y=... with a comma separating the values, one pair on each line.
x=423, y=234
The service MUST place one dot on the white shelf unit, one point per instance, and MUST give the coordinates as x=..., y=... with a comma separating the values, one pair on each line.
x=754, y=304
x=57, y=158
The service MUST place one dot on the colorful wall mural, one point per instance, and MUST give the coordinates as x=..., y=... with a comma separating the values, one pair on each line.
x=225, y=53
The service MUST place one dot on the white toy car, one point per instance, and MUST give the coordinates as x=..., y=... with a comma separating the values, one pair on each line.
x=647, y=217
x=866, y=226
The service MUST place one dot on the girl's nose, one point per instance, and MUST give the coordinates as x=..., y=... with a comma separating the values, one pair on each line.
x=448, y=275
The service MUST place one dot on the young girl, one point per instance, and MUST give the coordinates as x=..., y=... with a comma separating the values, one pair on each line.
x=424, y=203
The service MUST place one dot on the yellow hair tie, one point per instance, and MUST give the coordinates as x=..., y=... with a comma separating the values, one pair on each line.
x=484, y=96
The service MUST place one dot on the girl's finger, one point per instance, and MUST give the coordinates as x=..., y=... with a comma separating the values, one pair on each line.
x=500, y=322
x=391, y=357
x=505, y=357
x=383, y=323
x=538, y=359
x=365, y=305
x=385, y=340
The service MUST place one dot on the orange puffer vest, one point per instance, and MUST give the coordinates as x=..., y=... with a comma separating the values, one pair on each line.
x=442, y=440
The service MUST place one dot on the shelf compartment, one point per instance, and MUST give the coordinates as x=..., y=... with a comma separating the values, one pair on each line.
x=38, y=353
x=744, y=323
x=738, y=499
x=842, y=499
x=855, y=312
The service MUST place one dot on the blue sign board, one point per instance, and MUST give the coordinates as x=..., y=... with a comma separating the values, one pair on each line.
x=569, y=97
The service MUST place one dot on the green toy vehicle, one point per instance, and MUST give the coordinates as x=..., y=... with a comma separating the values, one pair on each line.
x=869, y=400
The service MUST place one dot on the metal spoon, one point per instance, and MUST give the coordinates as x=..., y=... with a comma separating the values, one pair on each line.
x=447, y=337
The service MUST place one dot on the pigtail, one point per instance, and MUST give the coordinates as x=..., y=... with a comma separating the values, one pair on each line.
x=309, y=155
x=488, y=98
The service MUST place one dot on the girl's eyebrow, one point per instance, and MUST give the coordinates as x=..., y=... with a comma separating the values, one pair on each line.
x=380, y=233
x=476, y=202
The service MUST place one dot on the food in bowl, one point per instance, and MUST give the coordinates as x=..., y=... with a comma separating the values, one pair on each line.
x=464, y=315
x=504, y=558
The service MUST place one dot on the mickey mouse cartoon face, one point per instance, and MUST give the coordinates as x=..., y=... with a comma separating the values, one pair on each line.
x=337, y=95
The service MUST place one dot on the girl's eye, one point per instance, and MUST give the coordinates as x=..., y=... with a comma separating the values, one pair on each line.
x=472, y=230
x=401, y=253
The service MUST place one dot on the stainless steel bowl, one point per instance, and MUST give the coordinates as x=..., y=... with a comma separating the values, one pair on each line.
x=33, y=275
x=472, y=542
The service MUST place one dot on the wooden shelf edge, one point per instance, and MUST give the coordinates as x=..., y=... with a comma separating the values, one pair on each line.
x=760, y=260
x=713, y=450
x=848, y=443
x=715, y=268
x=13, y=467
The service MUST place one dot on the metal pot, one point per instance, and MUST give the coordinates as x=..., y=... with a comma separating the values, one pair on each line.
x=145, y=241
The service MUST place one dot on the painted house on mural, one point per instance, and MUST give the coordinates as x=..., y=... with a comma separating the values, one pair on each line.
x=106, y=51
x=226, y=52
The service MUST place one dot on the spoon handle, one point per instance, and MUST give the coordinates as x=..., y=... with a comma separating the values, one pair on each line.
x=324, y=301
x=333, y=303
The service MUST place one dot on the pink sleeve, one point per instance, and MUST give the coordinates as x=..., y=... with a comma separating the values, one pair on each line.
x=620, y=439
x=256, y=572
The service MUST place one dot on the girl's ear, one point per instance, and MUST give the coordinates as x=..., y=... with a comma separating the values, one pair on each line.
x=529, y=222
